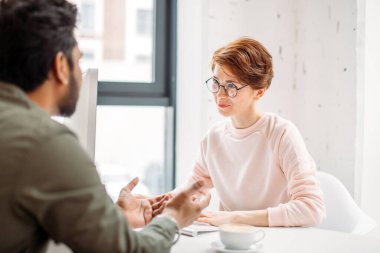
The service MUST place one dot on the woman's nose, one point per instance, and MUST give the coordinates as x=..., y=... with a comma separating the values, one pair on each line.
x=221, y=92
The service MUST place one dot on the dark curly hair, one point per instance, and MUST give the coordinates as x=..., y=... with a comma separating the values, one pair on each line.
x=32, y=32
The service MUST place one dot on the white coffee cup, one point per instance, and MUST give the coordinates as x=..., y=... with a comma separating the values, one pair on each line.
x=240, y=236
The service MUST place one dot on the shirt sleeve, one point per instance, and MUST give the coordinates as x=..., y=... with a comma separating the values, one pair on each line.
x=60, y=191
x=306, y=206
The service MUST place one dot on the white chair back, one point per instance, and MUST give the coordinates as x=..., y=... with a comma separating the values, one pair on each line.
x=342, y=213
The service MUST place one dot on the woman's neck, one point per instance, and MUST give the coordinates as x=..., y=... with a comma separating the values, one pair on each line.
x=246, y=120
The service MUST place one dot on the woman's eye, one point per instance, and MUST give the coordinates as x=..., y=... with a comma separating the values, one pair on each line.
x=230, y=85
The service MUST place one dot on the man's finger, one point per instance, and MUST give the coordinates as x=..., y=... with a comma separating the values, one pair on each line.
x=132, y=184
x=156, y=199
x=159, y=204
x=158, y=210
x=160, y=198
x=163, y=200
x=155, y=206
x=148, y=212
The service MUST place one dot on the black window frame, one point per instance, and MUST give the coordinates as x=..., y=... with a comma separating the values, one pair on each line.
x=161, y=91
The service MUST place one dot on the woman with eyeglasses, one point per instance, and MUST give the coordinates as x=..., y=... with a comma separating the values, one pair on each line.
x=257, y=161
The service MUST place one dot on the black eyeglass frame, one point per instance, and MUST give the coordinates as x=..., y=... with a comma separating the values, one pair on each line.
x=224, y=87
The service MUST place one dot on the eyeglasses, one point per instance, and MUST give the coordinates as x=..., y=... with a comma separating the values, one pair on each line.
x=230, y=88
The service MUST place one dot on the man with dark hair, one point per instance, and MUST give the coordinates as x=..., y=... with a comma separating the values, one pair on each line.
x=49, y=188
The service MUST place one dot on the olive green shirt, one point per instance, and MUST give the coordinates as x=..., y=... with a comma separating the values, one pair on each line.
x=50, y=189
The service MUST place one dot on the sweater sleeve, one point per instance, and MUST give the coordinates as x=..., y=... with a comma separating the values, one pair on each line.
x=306, y=206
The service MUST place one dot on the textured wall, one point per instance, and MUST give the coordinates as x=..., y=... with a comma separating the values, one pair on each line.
x=324, y=85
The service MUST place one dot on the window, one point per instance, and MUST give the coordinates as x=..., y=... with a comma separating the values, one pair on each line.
x=116, y=41
x=131, y=142
x=132, y=45
x=87, y=16
x=144, y=22
x=88, y=55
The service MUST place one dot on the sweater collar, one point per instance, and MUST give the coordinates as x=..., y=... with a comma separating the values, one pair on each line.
x=242, y=132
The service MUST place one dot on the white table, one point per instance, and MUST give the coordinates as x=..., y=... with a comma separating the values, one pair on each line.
x=292, y=240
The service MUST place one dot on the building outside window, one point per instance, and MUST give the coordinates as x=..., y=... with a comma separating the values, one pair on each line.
x=144, y=22
x=87, y=18
x=128, y=43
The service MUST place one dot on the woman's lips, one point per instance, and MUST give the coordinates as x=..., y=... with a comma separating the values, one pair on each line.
x=223, y=106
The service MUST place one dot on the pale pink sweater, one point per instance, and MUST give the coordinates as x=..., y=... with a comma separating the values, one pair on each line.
x=265, y=166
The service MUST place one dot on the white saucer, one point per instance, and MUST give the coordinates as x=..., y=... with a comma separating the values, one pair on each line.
x=218, y=245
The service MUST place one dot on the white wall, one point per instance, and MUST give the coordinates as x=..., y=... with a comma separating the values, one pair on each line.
x=189, y=88
x=370, y=174
x=313, y=44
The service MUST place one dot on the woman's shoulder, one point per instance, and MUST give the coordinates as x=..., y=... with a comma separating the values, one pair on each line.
x=277, y=125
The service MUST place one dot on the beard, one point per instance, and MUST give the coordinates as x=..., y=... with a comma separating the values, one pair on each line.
x=68, y=104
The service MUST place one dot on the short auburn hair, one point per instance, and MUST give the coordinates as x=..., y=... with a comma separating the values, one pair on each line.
x=248, y=60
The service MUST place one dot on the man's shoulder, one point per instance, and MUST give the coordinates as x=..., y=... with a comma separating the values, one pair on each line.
x=18, y=113
x=37, y=123
x=50, y=148
x=29, y=126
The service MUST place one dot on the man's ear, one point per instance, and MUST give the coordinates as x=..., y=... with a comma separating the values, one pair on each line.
x=61, y=68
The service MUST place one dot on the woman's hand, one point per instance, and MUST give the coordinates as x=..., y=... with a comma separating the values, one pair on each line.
x=216, y=218
x=255, y=217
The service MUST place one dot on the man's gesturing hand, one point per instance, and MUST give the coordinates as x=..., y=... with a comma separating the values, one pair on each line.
x=137, y=211
x=184, y=208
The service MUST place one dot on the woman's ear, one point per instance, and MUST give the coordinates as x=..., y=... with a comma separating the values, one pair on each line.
x=260, y=92
x=61, y=69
